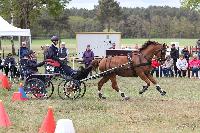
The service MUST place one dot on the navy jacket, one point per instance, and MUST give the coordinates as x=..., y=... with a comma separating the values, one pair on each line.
x=23, y=51
x=186, y=54
x=10, y=60
x=52, y=53
x=174, y=53
x=32, y=65
x=63, y=52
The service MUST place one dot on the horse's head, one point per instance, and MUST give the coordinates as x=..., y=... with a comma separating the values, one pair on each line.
x=152, y=48
x=161, y=52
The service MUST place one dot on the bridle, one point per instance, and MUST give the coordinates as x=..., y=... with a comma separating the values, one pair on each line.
x=161, y=58
x=162, y=54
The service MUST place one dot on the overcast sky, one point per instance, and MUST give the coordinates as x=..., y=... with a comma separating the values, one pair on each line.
x=89, y=4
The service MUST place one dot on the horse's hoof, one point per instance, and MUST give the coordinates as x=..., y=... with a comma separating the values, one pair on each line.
x=101, y=96
x=163, y=93
x=141, y=92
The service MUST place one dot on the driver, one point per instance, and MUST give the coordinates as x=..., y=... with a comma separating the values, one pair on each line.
x=52, y=54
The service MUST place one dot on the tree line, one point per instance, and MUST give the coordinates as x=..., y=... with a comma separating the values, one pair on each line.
x=151, y=22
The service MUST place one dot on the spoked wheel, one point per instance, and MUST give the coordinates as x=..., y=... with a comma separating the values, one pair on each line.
x=69, y=89
x=16, y=80
x=49, y=89
x=37, y=88
x=83, y=89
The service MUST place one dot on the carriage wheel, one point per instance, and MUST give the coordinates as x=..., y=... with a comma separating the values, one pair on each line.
x=68, y=89
x=15, y=80
x=83, y=89
x=49, y=89
x=36, y=88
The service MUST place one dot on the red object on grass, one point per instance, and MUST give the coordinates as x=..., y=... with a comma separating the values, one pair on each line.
x=48, y=124
x=4, y=119
x=17, y=96
x=5, y=82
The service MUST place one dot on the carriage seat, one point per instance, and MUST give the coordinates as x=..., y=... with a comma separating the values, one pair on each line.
x=52, y=66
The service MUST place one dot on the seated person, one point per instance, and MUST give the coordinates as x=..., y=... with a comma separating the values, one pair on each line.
x=9, y=65
x=167, y=67
x=182, y=66
x=155, y=65
x=31, y=65
x=52, y=54
x=194, y=65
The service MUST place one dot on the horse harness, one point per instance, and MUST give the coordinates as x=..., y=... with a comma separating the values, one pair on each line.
x=132, y=66
x=140, y=55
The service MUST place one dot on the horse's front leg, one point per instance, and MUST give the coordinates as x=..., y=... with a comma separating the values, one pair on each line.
x=144, y=78
x=151, y=78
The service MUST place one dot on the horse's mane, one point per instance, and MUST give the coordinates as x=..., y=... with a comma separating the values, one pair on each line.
x=145, y=45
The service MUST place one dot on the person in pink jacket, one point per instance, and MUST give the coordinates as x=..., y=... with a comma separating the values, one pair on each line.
x=194, y=65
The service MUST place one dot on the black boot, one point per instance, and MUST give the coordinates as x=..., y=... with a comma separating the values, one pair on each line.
x=145, y=88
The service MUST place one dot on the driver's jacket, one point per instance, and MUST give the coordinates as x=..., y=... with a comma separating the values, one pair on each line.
x=52, y=53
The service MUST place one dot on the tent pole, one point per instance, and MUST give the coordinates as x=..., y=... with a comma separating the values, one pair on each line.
x=30, y=41
x=19, y=38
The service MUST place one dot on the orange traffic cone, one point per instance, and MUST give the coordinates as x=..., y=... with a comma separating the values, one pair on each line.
x=4, y=119
x=48, y=124
x=5, y=82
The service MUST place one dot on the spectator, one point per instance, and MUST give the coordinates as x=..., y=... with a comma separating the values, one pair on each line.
x=23, y=50
x=63, y=52
x=198, y=46
x=31, y=65
x=167, y=67
x=174, y=53
x=113, y=46
x=136, y=46
x=186, y=53
x=194, y=65
x=88, y=56
x=9, y=65
x=182, y=66
x=155, y=65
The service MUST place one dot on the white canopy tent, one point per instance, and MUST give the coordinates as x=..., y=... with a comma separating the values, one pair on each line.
x=7, y=29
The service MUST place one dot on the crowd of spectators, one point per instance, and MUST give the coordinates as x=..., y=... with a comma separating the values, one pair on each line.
x=177, y=65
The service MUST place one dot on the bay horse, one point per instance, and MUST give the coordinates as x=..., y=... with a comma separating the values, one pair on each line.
x=139, y=66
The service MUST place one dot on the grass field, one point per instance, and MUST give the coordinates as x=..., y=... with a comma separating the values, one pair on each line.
x=178, y=111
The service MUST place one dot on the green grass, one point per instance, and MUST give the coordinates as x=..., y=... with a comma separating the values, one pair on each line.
x=176, y=112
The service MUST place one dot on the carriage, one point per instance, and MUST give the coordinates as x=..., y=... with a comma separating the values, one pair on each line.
x=42, y=86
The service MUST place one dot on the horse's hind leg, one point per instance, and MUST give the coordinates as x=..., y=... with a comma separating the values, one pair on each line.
x=100, y=84
x=115, y=87
x=150, y=77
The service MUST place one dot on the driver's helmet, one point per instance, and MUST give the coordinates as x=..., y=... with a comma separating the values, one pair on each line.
x=54, y=38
